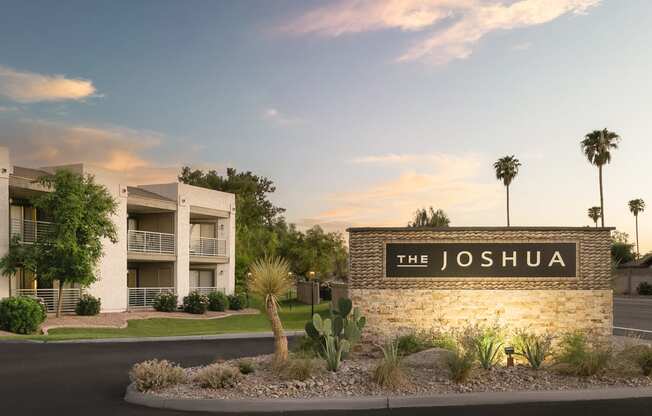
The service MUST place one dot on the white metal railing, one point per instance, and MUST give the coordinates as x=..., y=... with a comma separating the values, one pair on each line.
x=50, y=298
x=150, y=242
x=143, y=297
x=205, y=246
x=28, y=230
x=207, y=290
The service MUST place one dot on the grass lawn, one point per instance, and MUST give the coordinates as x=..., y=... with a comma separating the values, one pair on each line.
x=293, y=314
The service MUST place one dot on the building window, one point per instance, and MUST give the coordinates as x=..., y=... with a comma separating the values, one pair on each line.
x=202, y=278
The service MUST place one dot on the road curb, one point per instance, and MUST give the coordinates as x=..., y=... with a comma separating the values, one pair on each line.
x=249, y=406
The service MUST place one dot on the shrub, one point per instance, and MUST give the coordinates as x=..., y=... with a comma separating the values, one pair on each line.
x=578, y=357
x=645, y=361
x=307, y=346
x=237, y=301
x=195, y=303
x=486, y=343
x=644, y=289
x=218, y=301
x=165, y=302
x=156, y=375
x=534, y=348
x=389, y=372
x=21, y=315
x=88, y=305
x=217, y=376
x=460, y=363
x=412, y=342
x=246, y=366
x=298, y=368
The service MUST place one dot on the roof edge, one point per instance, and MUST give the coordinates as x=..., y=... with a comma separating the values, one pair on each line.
x=500, y=228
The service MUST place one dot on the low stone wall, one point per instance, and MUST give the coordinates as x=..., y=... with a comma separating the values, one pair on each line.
x=554, y=311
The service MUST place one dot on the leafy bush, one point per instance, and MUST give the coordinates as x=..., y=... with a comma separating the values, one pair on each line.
x=218, y=301
x=486, y=343
x=578, y=357
x=21, y=315
x=307, y=346
x=195, y=303
x=155, y=375
x=237, y=301
x=534, y=348
x=88, y=305
x=412, y=342
x=644, y=289
x=217, y=376
x=645, y=361
x=297, y=368
x=165, y=302
x=389, y=372
x=460, y=363
x=246, y=366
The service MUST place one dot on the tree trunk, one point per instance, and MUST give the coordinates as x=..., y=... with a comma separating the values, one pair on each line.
x=280, y=340
x=638, y=252
x=60, y=299
x=601, y=198
x=508, y=205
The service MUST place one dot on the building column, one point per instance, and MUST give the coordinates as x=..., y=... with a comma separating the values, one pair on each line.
x=230, y=241
x=182, y=237
x=5, y=170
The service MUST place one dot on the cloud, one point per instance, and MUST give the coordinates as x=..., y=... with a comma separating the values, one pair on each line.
x=445, y=181
x=273, y=115
x=453, y=27
x=38, y=143
x=30, y=87
x=4, y=109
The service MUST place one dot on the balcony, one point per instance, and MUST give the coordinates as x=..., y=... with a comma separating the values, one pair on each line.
x=144, y=297
x=205, y=246
x=29, y=231
x=150, y=242
x=50, y=298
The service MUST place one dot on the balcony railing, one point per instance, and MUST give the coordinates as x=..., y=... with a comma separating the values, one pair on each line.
x=150, y=242
x=207, y=290
x=28, y=230
x=204, y=246
x=50, y=298
x=143, y=297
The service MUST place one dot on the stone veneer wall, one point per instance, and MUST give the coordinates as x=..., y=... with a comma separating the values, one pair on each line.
x=541, y=304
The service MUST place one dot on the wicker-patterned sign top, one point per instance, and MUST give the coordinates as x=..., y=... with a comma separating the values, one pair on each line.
x=480, y=258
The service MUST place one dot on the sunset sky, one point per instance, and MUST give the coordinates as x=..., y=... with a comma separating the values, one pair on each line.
x=360, y=111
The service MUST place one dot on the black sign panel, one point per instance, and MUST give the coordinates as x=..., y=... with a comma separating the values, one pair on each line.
x=481, y=260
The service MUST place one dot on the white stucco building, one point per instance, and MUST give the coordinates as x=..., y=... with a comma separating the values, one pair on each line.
x=172, y=237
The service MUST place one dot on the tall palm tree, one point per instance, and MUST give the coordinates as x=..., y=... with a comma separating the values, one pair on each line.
x=506, y=170
x=597, y=147
x=637, y=206
x=594, y=214
x=270, y=279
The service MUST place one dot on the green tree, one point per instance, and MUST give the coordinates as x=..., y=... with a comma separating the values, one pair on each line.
x=594, y=214
x=621, y=249
x=18, y=256
x=597, y=146
x=429, y=218
x=506, y=170
x=81, y=213
x=636, y=206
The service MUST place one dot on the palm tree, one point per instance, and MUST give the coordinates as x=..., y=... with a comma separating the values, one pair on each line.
x=594, y=214
x=506, y=170
x=597, y=147
x=636, y=206
x=270, y=279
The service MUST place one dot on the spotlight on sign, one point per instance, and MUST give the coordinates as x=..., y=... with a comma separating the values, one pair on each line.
x=510, y=360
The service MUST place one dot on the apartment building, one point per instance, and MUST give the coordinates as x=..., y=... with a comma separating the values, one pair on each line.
x=172, y=237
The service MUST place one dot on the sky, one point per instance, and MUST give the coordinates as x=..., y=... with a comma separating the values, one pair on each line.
x=361, y=111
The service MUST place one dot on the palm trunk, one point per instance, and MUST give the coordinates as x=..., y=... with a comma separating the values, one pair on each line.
x=638, y=252
x=60, y=299
x=601, y=198
x=280, y=340
x=508, y=205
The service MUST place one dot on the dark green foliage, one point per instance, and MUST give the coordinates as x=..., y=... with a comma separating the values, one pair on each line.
x=644, y=289
x=195, y=303
x=88, y=305
x=246, y=366
x=237, y=301
x=644, y=360
x=622, y=252
x=412, y=342
x=165, y=302
x=21, y=315
x=218, y=302
x=486, y=344
x=577, y=356
x=535, y=348
x=429, y=218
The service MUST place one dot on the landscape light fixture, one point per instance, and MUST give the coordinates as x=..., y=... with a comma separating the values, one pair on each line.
x=510, y=360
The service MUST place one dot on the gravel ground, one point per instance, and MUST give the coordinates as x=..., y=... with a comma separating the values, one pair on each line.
x=354, y=379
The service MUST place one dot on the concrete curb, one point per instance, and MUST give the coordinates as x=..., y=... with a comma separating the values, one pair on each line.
x=235, y=335
x=249, y=406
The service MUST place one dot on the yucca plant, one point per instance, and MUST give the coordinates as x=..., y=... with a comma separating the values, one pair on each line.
x=389, y=372
x=487, y=344
x=270, y=280
x=535, y=348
